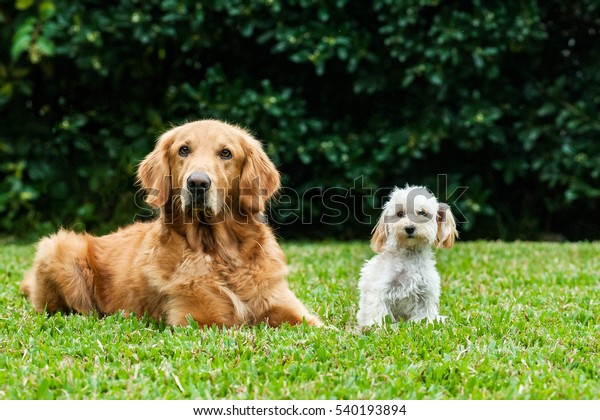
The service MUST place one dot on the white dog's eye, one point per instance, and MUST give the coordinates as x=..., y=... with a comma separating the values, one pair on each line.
x=401, y=214
x=422, y=213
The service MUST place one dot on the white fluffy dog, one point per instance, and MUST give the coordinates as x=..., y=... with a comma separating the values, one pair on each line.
x=402, y=281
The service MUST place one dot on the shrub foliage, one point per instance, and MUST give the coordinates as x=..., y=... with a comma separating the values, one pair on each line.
x=500, y=97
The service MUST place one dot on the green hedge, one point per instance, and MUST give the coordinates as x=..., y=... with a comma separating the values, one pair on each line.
x=502, y=97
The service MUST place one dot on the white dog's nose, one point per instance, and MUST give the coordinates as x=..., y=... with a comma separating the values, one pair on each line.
x=410, y=229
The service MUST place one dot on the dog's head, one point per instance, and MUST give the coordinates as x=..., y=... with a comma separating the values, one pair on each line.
x=413, y=218
x=207, y=168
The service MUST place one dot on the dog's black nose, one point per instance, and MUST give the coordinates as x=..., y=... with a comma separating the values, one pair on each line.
x=198, y=182
x=409, y=229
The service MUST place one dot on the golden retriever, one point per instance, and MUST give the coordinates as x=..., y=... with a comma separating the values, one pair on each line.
x=208, y=257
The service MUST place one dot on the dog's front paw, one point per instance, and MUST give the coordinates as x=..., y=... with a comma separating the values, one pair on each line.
x=430, y=319
x=314, y=321
x=437, y=318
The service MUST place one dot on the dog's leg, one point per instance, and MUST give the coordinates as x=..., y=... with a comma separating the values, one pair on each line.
x=373, y=305
x=372, y=311
x=428, y=311
x=289, y=310
x=282, y=315
x=42, y=292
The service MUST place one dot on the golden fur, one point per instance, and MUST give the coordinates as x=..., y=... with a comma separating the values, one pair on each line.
x=211, y=259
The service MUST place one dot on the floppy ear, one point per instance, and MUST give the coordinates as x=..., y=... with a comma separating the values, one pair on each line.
x=446, y=232
x=154, y=173
x=379, y=234
x=259, y=179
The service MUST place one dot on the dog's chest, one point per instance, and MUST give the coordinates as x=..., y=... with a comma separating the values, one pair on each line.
x=405, y=277
x=405, y=289
x=243, y=278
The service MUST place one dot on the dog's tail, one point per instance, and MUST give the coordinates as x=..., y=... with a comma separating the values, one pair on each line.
x=26, y=284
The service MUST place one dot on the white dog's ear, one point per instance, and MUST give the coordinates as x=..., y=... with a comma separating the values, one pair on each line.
x=379, y=235
x=446, y=232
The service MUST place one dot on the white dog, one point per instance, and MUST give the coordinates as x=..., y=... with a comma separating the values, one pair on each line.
x=402, y=281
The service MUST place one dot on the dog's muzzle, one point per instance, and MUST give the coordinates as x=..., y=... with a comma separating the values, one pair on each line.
x=198, y=184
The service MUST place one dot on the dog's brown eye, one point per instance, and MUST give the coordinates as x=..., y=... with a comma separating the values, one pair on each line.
x=422, y=212
x=184, y=151
x=226, y=154
x=400, y=214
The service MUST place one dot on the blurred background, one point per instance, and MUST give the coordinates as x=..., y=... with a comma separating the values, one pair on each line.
x=492, y=105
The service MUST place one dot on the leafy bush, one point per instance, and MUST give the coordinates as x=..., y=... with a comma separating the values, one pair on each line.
x=500, y=98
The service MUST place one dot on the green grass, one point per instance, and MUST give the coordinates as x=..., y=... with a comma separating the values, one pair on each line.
x=523, y=324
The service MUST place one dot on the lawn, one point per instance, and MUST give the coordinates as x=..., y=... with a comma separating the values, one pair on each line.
x=523, y=324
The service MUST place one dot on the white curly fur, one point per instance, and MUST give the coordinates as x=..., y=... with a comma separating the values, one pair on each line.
x=401, y=280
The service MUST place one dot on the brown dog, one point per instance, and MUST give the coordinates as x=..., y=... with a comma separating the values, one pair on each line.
x=208, y=256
